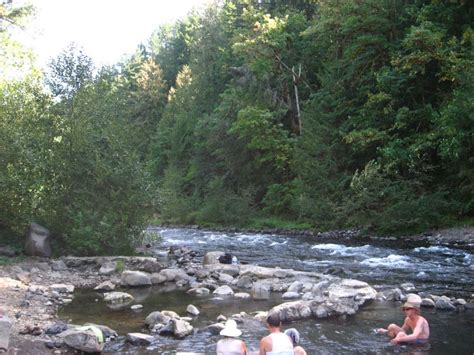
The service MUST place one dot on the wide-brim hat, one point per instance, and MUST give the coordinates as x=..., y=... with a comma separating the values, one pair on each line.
x=230, y=329
x=411, y=305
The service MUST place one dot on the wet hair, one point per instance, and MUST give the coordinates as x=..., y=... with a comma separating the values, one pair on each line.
x=273, y=320
x=294, y=335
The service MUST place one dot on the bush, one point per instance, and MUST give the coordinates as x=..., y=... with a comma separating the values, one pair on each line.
x=382, y=204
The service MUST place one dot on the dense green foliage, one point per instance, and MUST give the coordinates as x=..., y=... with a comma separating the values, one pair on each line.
x=321, y=113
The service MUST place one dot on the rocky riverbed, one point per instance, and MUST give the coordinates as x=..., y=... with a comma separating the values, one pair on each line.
x=32, y=291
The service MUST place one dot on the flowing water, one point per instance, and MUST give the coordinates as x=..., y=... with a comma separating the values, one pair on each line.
x=438, y=270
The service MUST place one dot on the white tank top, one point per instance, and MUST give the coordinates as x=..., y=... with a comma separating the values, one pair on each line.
x=229, y=346
x=281, y=344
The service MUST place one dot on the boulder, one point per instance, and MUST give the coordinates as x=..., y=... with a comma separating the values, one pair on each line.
x=261, y=290
x=181, y=328
x=223, y=291
x=105, y=286
x=157, y=278
x=444, y=303
x=156, y=317
x=427, y=302
x=212, y=257
x=199, y=291
x=5, y=327
x=229, y=269
x=296, y=287
x=118, y=298
x=135, y=278
x=62, y=288
x=37, y=241
x=174, y=274
x=244, y=282
x=108, y=268
x=225, y=278
x=139, y=339
x=290, y=295
x=191, y=309
x=213, y=329
x=58, y=265
x=242, y=295
x=87, y=339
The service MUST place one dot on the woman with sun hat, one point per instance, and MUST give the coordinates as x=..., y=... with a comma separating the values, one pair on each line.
x=230, y=344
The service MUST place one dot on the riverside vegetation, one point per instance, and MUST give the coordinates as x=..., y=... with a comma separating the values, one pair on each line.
x=326, y=114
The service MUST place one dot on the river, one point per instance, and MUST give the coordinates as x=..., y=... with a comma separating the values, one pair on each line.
x=436, y=269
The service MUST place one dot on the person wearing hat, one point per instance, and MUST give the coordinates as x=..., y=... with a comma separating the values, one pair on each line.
x=414, y=322
x=230, y=345
x=295, y=338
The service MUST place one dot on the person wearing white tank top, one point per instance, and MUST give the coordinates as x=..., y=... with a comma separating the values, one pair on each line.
x=277, y=343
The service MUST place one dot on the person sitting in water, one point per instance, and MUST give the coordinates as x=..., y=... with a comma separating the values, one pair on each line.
x=230, y=345
x=295, y=338
x=277, y=343
x=414, y=322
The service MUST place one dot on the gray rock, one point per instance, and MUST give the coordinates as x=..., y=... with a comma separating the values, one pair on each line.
x=212, y=257
x=136, y=307
x=296, y=287
x=225, y=278
x=213, y=329
x=242, y=295
x=105, y=286
x=156, y=317
x=85, y=340
x=108, y=268
x=199, y=291
x=460, y=302
x=444, y=303
x=427, y=302
x=135, y=278
x=5, y=327
x=181, y=328
x=118, y=298
x=244, y=282
x=37, y=241
x=290, y=295
x=408, y=287
x=62, y=288
x=157, y=279
x=223, y=291
x=191, y=309
x=261, y=290
x=58, y=265
x=139, y=339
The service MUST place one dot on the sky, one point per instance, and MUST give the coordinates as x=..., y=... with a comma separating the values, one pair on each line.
x=106, y=29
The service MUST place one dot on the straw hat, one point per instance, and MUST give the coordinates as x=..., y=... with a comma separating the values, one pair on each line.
x=413, y=301
x=230, y=329
x=411, y=305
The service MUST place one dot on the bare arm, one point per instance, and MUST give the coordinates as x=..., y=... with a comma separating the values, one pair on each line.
x=414, y=336
x=244, y=348
x=262, y=346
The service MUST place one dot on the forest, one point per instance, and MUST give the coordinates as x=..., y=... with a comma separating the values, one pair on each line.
x=312, y=114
